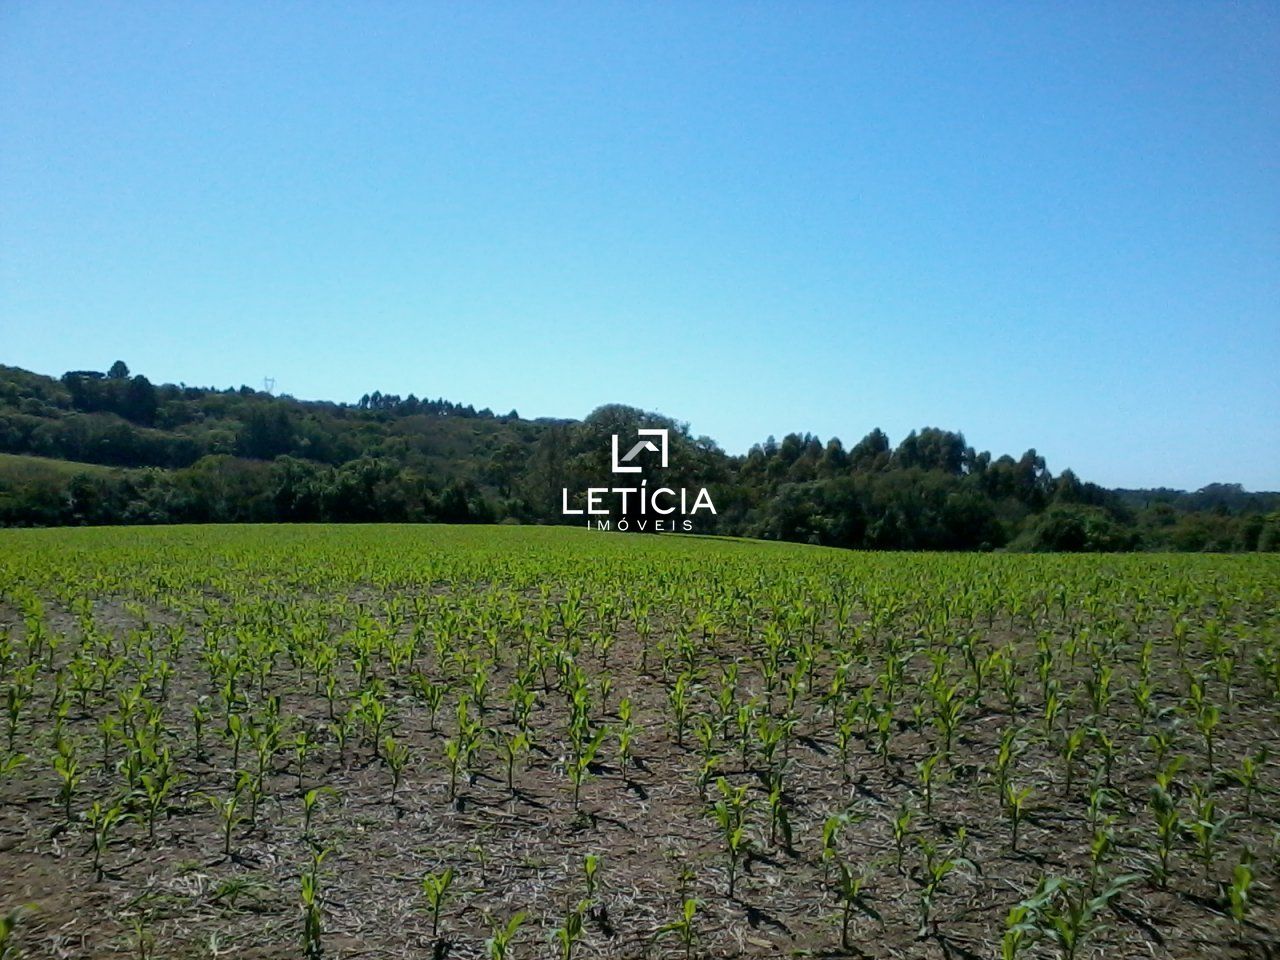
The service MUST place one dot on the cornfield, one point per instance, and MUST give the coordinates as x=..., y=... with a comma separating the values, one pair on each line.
x=524, y=742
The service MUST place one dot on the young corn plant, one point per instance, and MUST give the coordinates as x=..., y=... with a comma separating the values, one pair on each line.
x=396, y=756
x=1006, y=755
x=926, y=769
x=1168, y=821
x=935, y=868
x=1100, y=800
x=523, y=699
x=1206, y=827
x=626, y=731
x=480, y=687
x=1162, y=739
x=1100, y=847
x=374, y=714
x=143, y=940
x=229, y=816
x=678, y=697
x=1098, y=686
x=1109, y=750
x=683, y=927
x=498, y=946
x=432, y=695
x=302, y=745
x=852, y=895
x=1206, y=714
x=591, y=867
x=705, y=731
x=1072, y=745
x=312, y=908
x=1066, y=914
x=831, y=829
x=769, y=736
x=157, y=783
x=1246, y=775
x=234, y=731
x=948, y=712
x=901, y=827
x=69, y=775
x=884, y=733
x=455, y=753
x=310, y=802
x=102, y=822
x=1016, y=803
x=730, y=812
x=583, y=754
x=342, y=727
x=744, y=723
x=726, y=696
x=1238, y=892
x=779, y=822
x=435, y=887
x=570, y=932
x=512, y=748
x=1007, y=668
x=1053, y=707
x=255, y=789
x=1018, y=932
x=11, y=763
x=16, y=698
x=8, y=932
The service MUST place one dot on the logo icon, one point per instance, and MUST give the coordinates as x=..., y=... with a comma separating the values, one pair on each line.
x=642, y=507
x=624, y=464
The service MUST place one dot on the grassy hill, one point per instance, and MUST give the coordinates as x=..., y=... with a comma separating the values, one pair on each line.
x=17, y=468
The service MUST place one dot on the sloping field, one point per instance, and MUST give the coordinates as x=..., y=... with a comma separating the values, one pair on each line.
x=18, y=468
x=522, y=742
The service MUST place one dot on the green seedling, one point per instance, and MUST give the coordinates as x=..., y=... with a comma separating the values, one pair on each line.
x=312, y=908
x=730, y=813
x=683, y=926
x=570, y=932
x=435, y=886
x=1016, y=803
x=498, y=946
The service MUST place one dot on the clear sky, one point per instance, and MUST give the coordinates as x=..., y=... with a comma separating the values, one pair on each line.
x=1044, y=224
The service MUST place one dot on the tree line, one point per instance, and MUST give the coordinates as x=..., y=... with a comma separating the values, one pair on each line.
x=115, y=448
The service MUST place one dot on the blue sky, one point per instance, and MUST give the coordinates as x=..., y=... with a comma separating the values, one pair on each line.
x=1050, y=225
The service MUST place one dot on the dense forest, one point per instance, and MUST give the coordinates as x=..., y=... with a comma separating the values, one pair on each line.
x=114, y=448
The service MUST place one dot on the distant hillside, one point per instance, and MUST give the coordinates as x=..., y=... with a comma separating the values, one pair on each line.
x=111, y=447
x=123, y=420
x=1220, y=498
